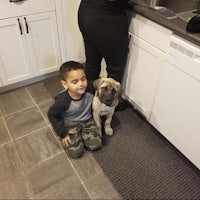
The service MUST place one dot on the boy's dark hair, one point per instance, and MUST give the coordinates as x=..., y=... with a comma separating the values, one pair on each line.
x=68, y=66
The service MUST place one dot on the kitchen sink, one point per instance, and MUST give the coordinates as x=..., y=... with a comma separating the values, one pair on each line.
x=170, y=8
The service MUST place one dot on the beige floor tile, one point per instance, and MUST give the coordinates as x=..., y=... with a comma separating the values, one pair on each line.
x=39, y=92
x=96, y=182
x=37, y=147
x=86, y=166
x=44, y=107
x=1, y=114
x=15, y=101
x=24, y=122
x=9, y=161
x=4, y=136
x=53, y=85
x=14, y=188
x=56, y=179
x=100, y=187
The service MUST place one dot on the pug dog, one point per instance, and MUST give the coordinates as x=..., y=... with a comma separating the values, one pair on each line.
x=106, y=98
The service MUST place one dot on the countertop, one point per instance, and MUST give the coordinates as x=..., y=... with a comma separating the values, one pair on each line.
x=177, y=25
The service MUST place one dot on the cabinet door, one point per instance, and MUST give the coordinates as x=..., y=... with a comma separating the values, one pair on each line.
x=42, y=38
x=14, y=56
x=142, y=74
x=71, y=41
x=1, y=82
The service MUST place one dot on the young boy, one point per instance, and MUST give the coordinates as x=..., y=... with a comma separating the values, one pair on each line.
x=71, y=113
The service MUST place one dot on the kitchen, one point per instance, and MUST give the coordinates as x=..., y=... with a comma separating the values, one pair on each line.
x=56, y=17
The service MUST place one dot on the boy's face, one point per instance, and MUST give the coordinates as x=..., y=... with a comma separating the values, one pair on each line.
x=76, y=83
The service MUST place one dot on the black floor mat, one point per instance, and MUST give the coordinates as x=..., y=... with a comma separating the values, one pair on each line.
x=142, y=164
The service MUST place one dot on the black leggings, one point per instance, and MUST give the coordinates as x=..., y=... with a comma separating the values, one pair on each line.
x=105, y=36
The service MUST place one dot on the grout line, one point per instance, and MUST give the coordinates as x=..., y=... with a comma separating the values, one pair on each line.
x=30, y=133
x=45, y=102
x=12, y=141
x=31, y=106
x=36, y=105
x=7, y=130
x=42, y=161
x=20, y=110
x=78, y=176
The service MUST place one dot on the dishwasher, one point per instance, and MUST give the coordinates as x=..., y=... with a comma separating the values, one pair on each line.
x=176, y=109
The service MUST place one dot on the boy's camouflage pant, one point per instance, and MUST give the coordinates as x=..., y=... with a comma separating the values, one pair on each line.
x=86, y=135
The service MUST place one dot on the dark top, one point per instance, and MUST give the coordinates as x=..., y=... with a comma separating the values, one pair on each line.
x=66, y=112
x=106, y=6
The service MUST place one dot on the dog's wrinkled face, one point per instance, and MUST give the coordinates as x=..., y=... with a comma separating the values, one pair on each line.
x=108, y=90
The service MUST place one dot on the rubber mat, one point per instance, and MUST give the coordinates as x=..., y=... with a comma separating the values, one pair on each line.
x=142, y=164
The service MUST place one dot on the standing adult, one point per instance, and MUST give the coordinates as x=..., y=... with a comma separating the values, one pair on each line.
x=104, y=27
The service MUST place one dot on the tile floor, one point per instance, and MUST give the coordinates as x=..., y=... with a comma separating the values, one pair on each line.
x=33, y=165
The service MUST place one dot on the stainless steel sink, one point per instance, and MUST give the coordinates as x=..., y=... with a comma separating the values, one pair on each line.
x=170, y=8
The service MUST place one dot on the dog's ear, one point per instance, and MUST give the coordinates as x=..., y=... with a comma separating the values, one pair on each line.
x=119, y=88
x=97, y=83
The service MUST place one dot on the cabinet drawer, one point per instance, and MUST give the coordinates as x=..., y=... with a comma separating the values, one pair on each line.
x=151, y=32
x=12, y=9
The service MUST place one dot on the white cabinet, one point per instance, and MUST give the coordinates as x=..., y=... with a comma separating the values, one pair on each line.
x=142, y=73
x=10, y=9
x=43, y=42
x=144, y=65
x=15, y=64
x=176, y=110
x=29, y=47
x=71, y=41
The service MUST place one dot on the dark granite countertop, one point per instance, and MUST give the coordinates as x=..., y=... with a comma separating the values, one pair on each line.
x=177, y=25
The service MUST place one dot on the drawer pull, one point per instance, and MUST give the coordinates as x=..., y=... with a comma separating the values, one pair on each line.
x=13, y=1
x=27, y=30
x=20, y=26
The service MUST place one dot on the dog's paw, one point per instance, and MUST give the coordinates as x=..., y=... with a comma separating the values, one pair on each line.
x=108, y=131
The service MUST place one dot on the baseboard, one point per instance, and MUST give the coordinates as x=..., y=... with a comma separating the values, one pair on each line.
x=27, y=82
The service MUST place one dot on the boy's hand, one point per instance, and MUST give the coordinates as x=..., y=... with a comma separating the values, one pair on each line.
x=66, y=141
